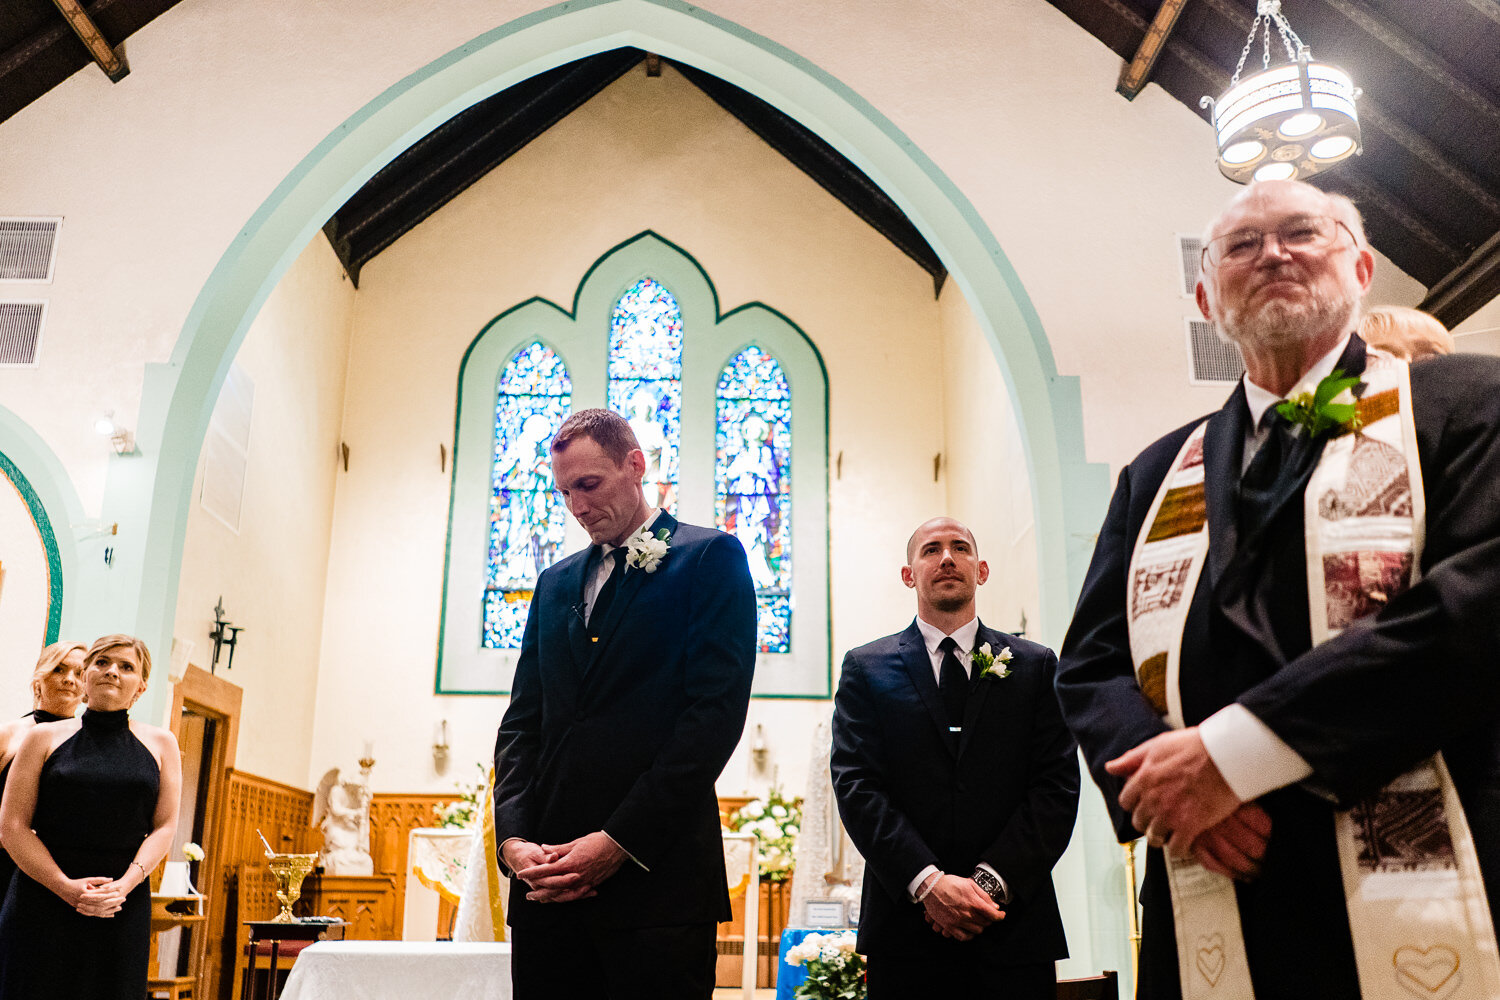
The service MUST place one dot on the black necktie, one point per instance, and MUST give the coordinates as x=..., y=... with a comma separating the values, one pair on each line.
x=1258, y=484
x=953, y=683
x=611, y=584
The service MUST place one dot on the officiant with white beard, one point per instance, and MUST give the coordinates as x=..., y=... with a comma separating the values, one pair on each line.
x=1281, y=667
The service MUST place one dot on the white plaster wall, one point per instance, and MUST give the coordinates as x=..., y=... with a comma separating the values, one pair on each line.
x=23, y=600
x=645, y=153
x=272, y=573
x=985, y=470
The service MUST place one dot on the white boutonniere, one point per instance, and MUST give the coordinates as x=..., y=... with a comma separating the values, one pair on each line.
x=986, y=661
x=644, y=550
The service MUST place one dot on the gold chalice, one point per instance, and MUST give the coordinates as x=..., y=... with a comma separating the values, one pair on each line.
x=290, y=870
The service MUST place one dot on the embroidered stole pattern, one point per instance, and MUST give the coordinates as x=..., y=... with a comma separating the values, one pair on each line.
x=1417, y=910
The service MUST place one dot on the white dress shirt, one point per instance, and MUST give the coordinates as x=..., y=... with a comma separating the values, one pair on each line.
x=1253, y=759
x=933, y=637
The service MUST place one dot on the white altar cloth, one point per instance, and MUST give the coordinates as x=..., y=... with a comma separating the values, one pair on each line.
x=400, y=970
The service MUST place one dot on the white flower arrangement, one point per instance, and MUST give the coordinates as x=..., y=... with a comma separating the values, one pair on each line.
x=465, y=811
x=776, y=822
x=834, y=968
x=985, y=660
x=192, y=851
x=646, y=551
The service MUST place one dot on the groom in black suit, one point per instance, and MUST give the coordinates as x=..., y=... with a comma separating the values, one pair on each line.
x=958, y=782
x=630, y=694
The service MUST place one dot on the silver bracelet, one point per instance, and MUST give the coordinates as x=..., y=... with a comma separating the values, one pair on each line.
x=924, y=891
x=144, y=874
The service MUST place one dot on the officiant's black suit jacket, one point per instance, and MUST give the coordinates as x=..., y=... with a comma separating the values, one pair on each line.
x=1361, y=708
x=1006, y=793
x=628, y=734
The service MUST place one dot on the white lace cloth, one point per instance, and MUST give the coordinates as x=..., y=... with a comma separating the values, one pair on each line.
x=400, y=970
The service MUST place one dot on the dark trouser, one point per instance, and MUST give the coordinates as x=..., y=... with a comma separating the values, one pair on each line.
x=897, y=978
x=639, y=963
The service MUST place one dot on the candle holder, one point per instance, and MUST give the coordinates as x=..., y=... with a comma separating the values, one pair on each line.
x=290, y=870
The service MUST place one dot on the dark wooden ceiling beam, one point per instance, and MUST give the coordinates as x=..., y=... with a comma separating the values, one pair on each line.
x=1416, y=54
x=1466, y=288
x=1137, y=73
x=451, y=158
x=109, y=58
x=1489, y=8
x=829, y=168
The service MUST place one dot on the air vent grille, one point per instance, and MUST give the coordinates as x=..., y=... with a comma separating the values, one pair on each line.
x=1190, y=260
x=28, y=249
x=20, y=332
x=1213, y=359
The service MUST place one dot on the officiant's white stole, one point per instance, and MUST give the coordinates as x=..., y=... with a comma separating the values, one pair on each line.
x=1418, y=914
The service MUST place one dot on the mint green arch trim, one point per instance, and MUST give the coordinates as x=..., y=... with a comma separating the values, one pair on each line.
x=580, y=337
x=46, y=489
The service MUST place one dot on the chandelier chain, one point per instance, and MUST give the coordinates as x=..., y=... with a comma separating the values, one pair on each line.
x=1267, y=12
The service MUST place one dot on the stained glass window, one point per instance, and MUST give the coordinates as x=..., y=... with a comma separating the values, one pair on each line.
x=753, y=473
x=527, y=517
x=645, y=380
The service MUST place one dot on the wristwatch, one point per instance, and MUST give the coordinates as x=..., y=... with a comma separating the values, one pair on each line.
x=992, y=886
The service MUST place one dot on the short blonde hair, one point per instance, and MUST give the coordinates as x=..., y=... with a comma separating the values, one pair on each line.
x=105, y=643
x=48, y=661
x=1407, y=333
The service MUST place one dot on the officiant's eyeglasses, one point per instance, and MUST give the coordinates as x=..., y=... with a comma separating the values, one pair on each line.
x=1305, y=233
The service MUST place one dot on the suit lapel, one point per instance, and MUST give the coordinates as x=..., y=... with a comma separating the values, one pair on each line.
x=918, y=664
x=578, y=635
x=1223, y=451
x=1234, y=562
x=633, y=581
x=979, y=691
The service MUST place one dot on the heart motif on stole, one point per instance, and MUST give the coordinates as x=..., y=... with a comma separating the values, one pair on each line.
x=1427, y=972
x=1210, y=958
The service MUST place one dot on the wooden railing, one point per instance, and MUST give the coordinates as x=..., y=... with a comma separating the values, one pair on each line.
x=284, y=815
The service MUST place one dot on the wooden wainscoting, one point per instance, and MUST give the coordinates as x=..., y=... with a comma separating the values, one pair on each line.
x=775, y=906
x=367, y=902
x=392, y=818
x=284, y=814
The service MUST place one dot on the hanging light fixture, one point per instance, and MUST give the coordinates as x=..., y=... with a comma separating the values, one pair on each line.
x=1286, y=122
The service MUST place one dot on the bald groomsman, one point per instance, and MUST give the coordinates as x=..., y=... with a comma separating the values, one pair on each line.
x=958, y=782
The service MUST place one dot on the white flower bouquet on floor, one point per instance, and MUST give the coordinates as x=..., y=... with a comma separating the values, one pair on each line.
x=835, y=971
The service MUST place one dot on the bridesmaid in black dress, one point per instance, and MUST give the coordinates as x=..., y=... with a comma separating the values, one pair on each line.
x=89, y=810
x=56, y=690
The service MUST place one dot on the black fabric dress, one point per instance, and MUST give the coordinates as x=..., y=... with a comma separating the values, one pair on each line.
x=7, y=866
x=94, y=806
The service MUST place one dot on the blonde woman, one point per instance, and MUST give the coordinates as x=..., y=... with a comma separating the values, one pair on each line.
x=56, y=690
x=1409, y=334
x=88, y=812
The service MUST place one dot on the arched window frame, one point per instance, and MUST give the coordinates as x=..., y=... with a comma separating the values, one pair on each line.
x=580, y=337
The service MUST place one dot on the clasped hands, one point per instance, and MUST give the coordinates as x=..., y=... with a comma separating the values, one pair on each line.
x=95, y=896
x=561, y=873
x=1178, y=798
x=957, y=908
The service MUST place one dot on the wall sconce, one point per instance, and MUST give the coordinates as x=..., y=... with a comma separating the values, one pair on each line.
x=758, y=750
x=224, y=634
x=440, y=747
x=120, y=437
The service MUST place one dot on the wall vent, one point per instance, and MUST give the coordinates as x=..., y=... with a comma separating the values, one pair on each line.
x=21, y=332
x=28, y=249
x=1189, y=260
x=1213, y=360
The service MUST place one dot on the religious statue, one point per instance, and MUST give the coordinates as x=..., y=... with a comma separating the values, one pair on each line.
x=341, y=809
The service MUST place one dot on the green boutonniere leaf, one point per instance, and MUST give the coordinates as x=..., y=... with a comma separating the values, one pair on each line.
x=1319, y=412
